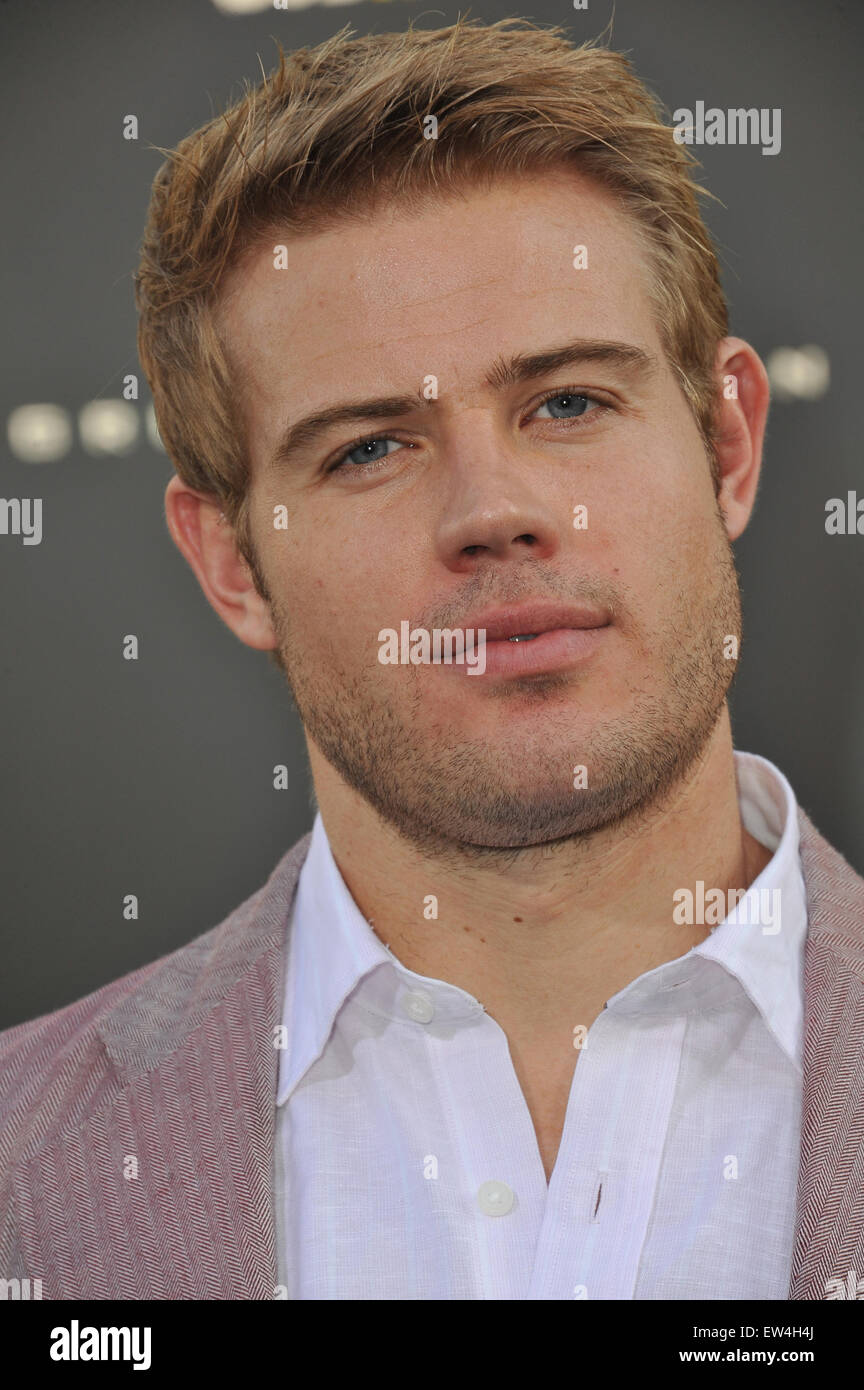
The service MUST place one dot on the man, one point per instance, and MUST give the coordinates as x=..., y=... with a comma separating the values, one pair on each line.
x=562, y=997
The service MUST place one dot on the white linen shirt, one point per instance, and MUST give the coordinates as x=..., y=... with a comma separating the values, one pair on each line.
x=406, y=1162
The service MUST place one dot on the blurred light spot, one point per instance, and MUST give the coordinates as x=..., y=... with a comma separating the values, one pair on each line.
x=39, y=433
x=799, y=374
x=244, y=6
x=108, y=427
x=258, y=6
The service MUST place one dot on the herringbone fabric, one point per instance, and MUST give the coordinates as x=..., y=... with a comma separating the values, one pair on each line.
x=829, y=1234
x=173, y=1066
x=137, y=1125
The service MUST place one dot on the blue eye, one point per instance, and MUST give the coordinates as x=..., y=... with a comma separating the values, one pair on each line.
x=367, y=451
x=566, y=405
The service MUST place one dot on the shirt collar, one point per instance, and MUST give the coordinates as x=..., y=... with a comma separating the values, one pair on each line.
x=332, y=947
x=767, y=964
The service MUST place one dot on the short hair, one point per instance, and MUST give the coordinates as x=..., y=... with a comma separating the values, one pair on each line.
x=337, y=128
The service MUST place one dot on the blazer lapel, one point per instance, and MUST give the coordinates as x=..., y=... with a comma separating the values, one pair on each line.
x=182, y=1161
x=828, y=1257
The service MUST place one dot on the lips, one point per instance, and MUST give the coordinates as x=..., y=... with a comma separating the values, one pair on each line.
x=555, y=637
x=532, y=619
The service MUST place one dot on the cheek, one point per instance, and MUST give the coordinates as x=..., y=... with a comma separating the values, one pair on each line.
x=651, y=530
x=334, y=588
x=672, y=483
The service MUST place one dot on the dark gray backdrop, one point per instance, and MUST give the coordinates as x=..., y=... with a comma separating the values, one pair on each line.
x=155, y=777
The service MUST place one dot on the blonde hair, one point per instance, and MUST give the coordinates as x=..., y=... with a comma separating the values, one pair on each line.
x=336, y=128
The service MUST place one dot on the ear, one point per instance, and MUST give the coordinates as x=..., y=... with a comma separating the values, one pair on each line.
x=744, y=396
x=204, y=538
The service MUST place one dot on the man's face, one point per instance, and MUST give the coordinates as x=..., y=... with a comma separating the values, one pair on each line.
x=465, y=504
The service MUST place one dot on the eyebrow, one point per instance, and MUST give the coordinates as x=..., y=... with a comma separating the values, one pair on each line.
x=625, y=358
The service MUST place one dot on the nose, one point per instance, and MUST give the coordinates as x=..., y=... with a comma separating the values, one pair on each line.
x=501, y=505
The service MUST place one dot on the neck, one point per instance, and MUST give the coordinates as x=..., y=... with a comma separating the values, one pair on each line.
x=543, y=936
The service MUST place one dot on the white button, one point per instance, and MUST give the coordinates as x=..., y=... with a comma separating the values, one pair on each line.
x=495, y=1198
x=419, y=1007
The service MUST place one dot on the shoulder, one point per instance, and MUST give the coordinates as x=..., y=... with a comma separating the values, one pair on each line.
x=56, y=1067
x=835, y=899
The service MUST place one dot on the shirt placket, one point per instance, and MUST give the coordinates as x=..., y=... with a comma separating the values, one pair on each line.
x=602, y=1188
x=500, y=1180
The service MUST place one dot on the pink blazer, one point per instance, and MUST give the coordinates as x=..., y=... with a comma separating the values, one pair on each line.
x=137, y=1125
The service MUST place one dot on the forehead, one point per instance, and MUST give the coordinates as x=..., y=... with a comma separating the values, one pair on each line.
x=382, y=300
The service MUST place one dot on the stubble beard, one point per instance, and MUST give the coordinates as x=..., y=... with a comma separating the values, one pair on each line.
x=460, y=798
